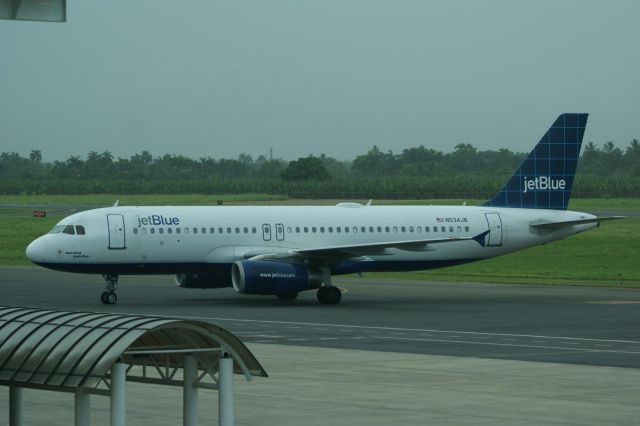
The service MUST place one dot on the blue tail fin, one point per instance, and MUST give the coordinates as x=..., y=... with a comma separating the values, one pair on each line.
x=545, y=178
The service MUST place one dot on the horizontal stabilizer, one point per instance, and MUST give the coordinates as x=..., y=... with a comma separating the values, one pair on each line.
x=543, y=223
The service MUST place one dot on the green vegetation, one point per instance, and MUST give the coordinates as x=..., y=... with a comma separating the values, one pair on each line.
x=415, y=173
x=606, y=256
x=138, y=199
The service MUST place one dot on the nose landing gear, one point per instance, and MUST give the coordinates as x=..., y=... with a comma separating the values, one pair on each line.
x=109, y=297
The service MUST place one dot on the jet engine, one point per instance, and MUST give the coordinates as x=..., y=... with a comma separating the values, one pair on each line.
x=273, y=277
x=219, y=280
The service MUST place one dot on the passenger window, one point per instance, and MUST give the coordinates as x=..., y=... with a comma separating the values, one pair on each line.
x=338, y=229
x=246, y=230
x=144, y=231
x=306, y=230
x=443, y=229
x=322, y=229
x=177, y=230
x=313, y=229
x=459, y=229
x=346, y=229
x=466, y=229
x=160, y=230
x=435, y=229
x=186, y=230
x=195, y=230
x=204, y=230
x=404, y=229
x=228, y=230
x=410, y=229
x=79, y=229
x=135, y=230
x=419, y=229
x=330, y=229
x=451, y=229
x=68, y=230
x=386, y=229
x=379, y=228
x=152, y=230
x=212, y=230
x=237, y=230
x=395, y=229
x=297, y=229
x=289, y=230
x=169, y=230
x=254, y=230
x=363, y=229
x=221, y=231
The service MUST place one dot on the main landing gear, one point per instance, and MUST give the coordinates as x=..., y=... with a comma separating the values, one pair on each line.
x=109, y=297
x=329, y=295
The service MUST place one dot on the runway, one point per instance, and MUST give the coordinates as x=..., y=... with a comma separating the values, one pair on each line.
x=576, y=325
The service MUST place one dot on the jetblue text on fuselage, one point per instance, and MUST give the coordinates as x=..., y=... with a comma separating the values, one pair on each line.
x=543, y=183
x=158, y=219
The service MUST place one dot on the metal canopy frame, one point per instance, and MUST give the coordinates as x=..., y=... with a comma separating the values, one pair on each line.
x=77, y=351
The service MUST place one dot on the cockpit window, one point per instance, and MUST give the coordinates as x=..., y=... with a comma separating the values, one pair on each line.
x=56, y=229
x=79, y=229
x=68, y=230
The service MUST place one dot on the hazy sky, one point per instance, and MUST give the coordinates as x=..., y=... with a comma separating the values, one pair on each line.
x=219, y=78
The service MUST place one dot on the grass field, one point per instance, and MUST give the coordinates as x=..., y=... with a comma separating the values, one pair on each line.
x=606, y=256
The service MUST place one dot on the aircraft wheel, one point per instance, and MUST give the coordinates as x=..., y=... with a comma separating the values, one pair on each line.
x=287, y=296
x=329, y=295
x=108, y=298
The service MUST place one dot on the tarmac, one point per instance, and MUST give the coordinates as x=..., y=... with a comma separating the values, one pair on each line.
x=394, y=352
x=323, y=386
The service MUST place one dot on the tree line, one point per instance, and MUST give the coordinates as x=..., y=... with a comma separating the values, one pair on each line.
x=417, y=172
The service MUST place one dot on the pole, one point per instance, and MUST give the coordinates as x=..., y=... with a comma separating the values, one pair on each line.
x=83, y=413
x=190, y=391
x=225, y=391
x=15, y=406
x=118, y=381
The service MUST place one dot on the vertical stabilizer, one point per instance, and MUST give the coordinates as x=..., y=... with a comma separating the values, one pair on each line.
x=545, y=178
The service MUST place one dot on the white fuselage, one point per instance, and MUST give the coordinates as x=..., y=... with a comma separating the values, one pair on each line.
x=180, y=239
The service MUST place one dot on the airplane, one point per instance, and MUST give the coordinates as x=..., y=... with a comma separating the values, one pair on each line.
x=284, y=250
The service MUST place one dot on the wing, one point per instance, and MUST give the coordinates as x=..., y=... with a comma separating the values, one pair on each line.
x=358, y=250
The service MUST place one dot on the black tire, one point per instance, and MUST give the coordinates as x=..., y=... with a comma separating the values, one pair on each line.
x=112, y=298
x=104, y=298
x=329, y=295
x=287, y=296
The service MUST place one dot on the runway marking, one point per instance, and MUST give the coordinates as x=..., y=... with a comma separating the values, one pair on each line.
x=466, y=342
x=615, y=302
x=373, y=329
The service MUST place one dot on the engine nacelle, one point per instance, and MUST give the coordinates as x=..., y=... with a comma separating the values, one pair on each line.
x=219, y=280
x=273, y=277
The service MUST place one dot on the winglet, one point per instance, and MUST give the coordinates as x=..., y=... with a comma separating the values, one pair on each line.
x=116, y=203
x=482, y=238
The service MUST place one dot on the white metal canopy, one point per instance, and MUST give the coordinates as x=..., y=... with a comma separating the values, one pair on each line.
x=62, y=351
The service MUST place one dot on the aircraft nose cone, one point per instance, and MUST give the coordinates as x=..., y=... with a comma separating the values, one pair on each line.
x=36, y=250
